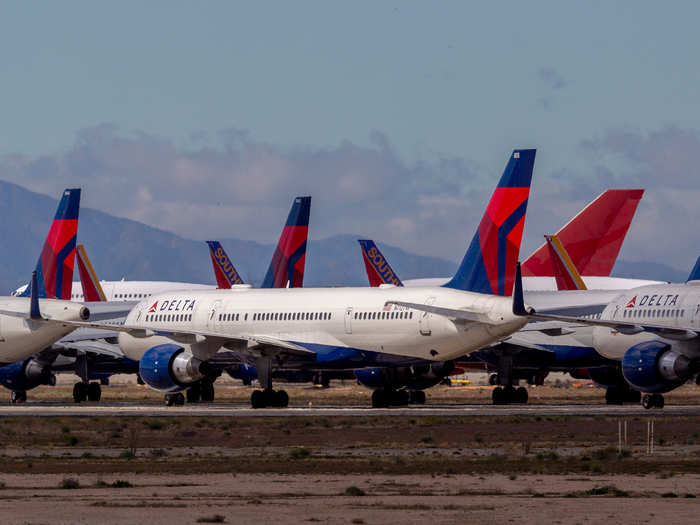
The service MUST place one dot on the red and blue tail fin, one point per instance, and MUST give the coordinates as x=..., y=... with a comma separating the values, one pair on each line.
x=54, y=270
x=564, y=270
x=225, y=272
x=287, y=265
x=378, y=269
x=695, y=272
x=489, y=264
x=92, y=289
x=593, y=237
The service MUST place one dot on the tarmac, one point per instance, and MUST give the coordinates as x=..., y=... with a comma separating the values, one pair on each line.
x=46, y=409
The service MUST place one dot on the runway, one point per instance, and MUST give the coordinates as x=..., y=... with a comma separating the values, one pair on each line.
x=38, y=409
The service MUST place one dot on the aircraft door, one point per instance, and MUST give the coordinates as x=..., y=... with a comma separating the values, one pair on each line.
x=424, y=318
x=212, y=319
x=348, y=320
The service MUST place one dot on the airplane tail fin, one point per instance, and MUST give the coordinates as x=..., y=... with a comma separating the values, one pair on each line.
x=593, y=237
x=378, y=269
x=225, y=272
x=287, y=265
x=92, y=289
x=695, y=272
x=489, y=264
x=54, y=268
x=565, y=271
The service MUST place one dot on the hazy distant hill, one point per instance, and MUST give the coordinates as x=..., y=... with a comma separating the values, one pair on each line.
x=124, y=248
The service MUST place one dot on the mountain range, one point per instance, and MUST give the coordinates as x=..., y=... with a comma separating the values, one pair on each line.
x=122, y=248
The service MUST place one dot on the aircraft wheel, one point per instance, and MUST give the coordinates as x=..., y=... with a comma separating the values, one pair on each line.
x=80, y=392
x=658, y=400
x=647, y=401
x=510, y=394
x=18, y=396
x=281, y=399
x=493, y=379
x=380, y=399
x=521, y=395
x=257, y=399
x=179, y=399
x=416, y=397
x=94, y=392
x=194, y=393
x=207, y=389
x=634, y=396
x=498, y=396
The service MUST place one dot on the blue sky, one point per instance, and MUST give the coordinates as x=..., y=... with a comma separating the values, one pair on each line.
x=428, y=91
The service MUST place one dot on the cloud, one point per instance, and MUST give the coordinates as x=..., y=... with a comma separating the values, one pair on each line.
x=552, y=81
x=228, y=184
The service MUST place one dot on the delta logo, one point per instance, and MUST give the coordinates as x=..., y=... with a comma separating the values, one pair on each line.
x=632, y=302
x=153, y=307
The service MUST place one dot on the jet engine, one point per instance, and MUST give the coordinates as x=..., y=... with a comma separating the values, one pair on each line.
x=654, y=367
x=412, y=377
x=168, y=368
x=25, y=375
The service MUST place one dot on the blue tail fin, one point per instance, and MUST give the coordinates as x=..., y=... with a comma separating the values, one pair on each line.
x=225, y=272
x=489, y=264
x=57, y=259
x=695, y=273
x=287, y=265
x=378, y=269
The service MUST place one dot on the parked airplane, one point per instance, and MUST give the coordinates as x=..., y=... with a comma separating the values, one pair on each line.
x=653, y=331
x=30, y=324
x=176, y=335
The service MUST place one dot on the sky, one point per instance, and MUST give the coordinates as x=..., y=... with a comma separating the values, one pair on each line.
x=207, y=118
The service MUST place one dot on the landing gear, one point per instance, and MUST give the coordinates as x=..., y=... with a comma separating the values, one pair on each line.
x=206, y=387
x=94, y=391
x=174, y=399
x=493, y=379
x=416, y=397
x=18, y=396
x=269, y=398
x=80, y=392
x=619, y=394
x=509, y=395
x=653, y=401
x=384, y=398
x=194, y=393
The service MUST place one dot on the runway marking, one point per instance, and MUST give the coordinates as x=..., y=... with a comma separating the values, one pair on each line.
x=239, y=410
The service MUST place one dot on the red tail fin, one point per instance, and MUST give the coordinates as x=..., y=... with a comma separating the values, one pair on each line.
x=593, y=237
x=92, y=289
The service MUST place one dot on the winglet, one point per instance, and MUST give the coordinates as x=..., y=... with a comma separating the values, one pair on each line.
x=378, y=269
x=518, y=298
x=564, y=269
x=225, y=272
x=92, y=289
x=34, y=312
x=695, y=273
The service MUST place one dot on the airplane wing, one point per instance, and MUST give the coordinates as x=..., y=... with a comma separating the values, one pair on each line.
x=445, y=312
x=624, y=327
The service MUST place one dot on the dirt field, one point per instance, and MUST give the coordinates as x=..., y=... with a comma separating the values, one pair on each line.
x=363, y=469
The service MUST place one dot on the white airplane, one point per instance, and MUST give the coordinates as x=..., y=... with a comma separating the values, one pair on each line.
x=29, y=324
x=174, y=335
x=653, y=331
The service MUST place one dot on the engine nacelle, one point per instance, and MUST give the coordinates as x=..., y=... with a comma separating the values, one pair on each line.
x=411, y=377
x=25, y=375
x=654, y=367
x=167, y=368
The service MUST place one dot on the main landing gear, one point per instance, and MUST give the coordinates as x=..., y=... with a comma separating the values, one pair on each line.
x=268, y=397
x=652, y=401
x=18, y=396
x=176, y=399
x=509, y=394
x=386, y=397
x=202, y=390
x=619, y=394
x=83, y=391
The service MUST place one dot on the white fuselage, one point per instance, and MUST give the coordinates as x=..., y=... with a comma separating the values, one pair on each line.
x=20, y=337
x=130, y=290
x=671, y=305
x=322, y=318
x=549, y=284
